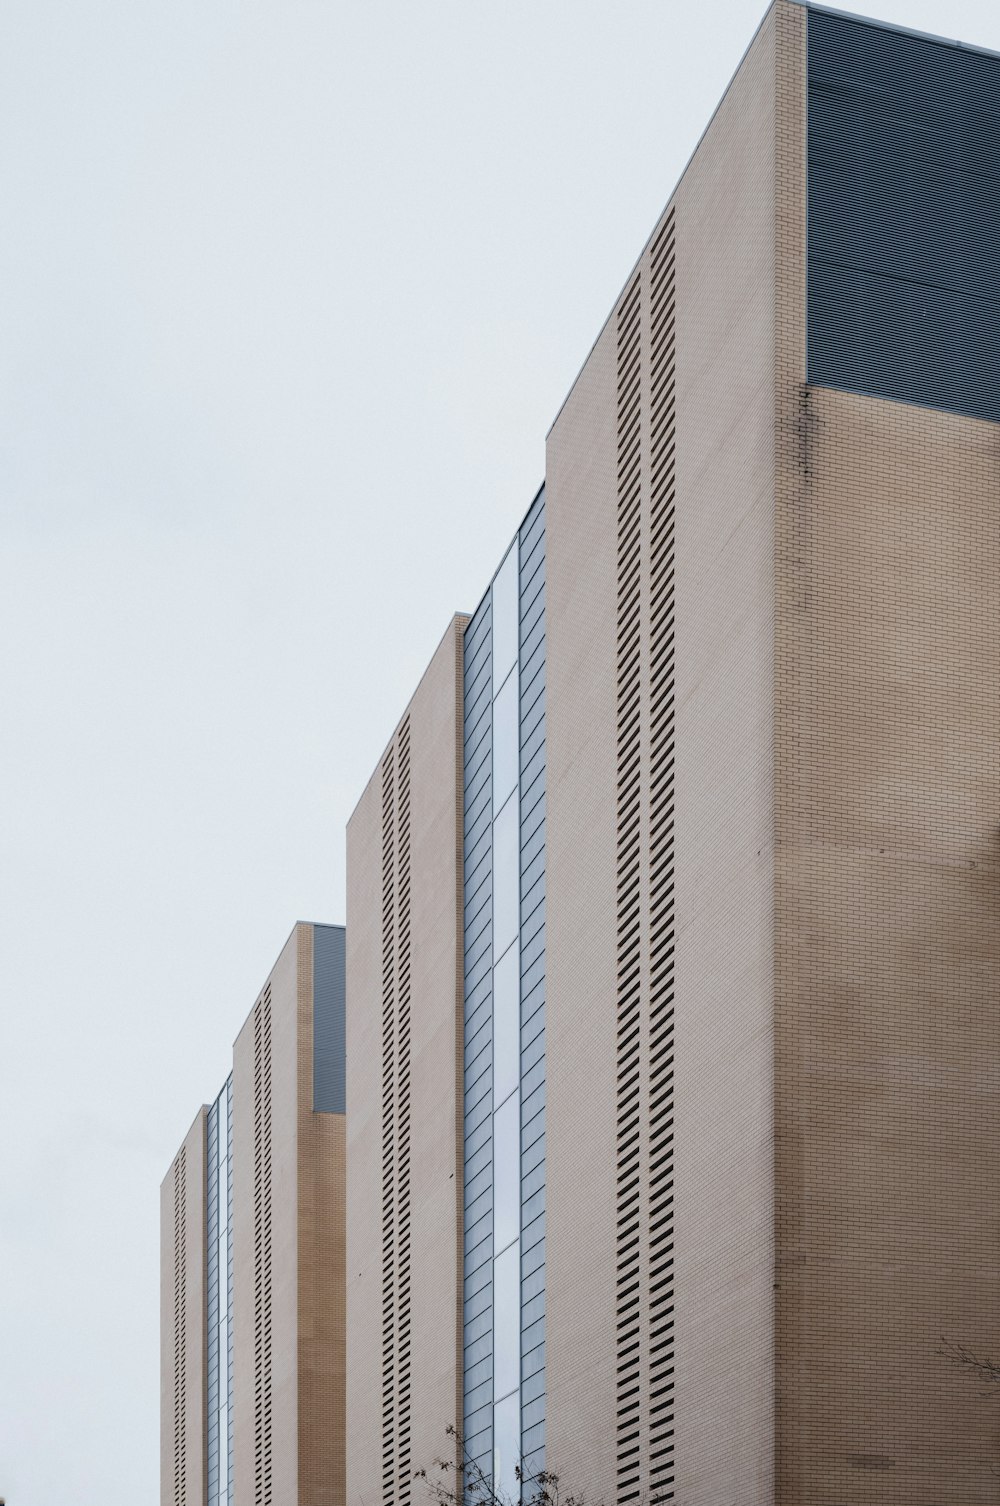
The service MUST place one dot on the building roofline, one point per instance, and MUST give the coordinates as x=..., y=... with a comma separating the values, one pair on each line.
x=806, y=5
x=314, y=925
x=456, y=617
x=202, y=1113
x=489, y=584
x=903, y=31
x=670, y=197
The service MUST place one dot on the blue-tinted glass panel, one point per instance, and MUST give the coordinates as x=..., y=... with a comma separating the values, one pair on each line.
x=506, y=877
x=506, y=1025
x=507, y=1448
x=505, y=618
x=504, y=749
x=506, y=1323
x=224, y=1456
x=507, y=1172
x=506, y=741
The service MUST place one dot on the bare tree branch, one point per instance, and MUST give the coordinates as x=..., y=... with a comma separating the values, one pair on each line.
x=981, y=1366
x=463, y=1482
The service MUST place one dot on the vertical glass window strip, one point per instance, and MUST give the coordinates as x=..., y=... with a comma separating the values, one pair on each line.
x=506, y=1323
x=506, y=1025
x=504, y=939
x=506, y=879
x=531, y=987
x=506, y=753
x=506, y=1173
x=506, y=926
x=478, y=1110
x=507, y=1448
x=506, y=635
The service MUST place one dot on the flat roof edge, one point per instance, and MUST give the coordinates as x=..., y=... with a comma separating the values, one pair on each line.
x=669, y=200
x=903, y=31
x=806, y=5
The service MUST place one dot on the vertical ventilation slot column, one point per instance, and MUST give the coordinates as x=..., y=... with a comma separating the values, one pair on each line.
x=404, y=1468
x=388, y=1127
x=628, y=1295
x=262, y=1248
x=218, y=1265
x=662, y=497
x=180, y=1329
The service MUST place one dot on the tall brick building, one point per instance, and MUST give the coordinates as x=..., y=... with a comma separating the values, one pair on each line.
x=252, y=1256
x=726, y=724
x=673, y=955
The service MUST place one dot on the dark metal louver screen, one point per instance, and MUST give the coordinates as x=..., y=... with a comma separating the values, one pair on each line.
x=329, y=1044
x=904, y=217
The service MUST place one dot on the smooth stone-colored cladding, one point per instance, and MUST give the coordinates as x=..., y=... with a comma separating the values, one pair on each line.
x=723, y=800
x=724, y=1168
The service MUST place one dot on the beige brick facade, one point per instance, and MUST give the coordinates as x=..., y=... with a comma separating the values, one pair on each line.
x=887, y=881
x=404, y=989
x=835, y=710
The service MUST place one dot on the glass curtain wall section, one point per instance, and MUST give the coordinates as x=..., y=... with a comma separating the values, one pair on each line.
x=532, y=992
x=504, y=755
x=506, y=1034
x=219, y=1272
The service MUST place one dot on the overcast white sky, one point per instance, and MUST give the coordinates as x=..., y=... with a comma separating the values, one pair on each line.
x=290, y=292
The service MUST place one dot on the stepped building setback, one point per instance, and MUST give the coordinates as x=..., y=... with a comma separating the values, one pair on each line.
x=252, y=1256
x=673, y=953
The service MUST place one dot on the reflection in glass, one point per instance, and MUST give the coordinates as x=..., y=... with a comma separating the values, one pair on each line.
x=506, y=761
x=506, y=878
x=505, y=617
x=507, y=1173
x=506, y=1025
x=506, y=1322
x=507, y=1448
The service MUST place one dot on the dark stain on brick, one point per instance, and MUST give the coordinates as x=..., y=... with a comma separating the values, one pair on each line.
x=871, y=1461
